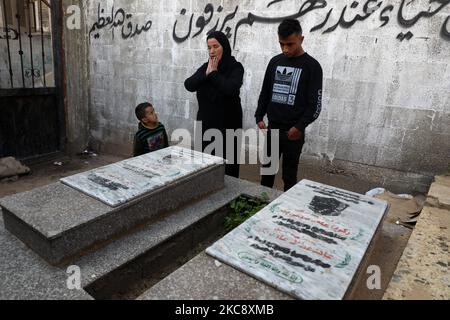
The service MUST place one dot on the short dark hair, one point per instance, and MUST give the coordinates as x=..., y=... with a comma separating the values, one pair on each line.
x=140, y=110
x=289, y=27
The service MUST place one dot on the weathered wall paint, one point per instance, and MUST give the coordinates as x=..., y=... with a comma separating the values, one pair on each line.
x=30, y=70
x=77, y=82
x=386, y=67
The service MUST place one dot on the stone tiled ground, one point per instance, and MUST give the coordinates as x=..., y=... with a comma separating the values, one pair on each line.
x=422, y=272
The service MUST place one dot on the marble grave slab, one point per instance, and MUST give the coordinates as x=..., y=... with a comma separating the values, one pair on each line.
x=308, y=243
x=124, y=181
x=64, y=219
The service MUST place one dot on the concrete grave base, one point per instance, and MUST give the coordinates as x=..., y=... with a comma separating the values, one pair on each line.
x=58, y=222
x=24, y=275
x=204, y=277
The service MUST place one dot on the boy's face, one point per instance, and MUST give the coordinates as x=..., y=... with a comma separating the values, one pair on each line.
x=292, y=45
x=151, y=118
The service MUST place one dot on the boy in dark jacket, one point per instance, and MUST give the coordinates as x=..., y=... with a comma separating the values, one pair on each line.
x=151, y=135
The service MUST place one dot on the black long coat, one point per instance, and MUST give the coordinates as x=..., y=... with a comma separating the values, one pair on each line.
x=218, y=98
x=218, y=94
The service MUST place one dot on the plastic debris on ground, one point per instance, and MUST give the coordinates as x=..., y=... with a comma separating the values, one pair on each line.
x=404, y=209
x=10, y=167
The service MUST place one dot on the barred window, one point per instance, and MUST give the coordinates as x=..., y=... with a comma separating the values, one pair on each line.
x=28, y=12
x=26, y=47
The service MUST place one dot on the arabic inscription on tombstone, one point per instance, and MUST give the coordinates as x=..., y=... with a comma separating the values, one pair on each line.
x=124, y=181
x=308, y=243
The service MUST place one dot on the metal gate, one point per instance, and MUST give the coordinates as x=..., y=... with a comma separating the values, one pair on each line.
x=31, y=82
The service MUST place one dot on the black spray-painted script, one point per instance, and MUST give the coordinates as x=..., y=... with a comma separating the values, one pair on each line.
x=349, y=15
x=117, y=19
x=9, y=33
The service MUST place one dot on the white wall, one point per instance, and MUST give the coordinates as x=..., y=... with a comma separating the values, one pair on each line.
x=386, y=101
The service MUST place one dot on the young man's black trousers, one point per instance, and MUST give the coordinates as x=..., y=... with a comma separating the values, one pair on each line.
x=290, y=151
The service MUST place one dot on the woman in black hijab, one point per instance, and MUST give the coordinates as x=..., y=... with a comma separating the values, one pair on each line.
x=218, y=83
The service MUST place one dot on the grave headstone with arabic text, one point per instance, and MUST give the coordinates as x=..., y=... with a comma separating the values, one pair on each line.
x=309, y=243
x=124, y=181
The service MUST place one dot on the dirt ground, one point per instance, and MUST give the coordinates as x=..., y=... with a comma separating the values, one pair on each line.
x=386, y=253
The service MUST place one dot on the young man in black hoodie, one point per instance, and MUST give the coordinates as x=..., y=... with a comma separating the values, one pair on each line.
x=291, y=97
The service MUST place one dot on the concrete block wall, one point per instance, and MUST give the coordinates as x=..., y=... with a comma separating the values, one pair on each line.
x=386, y=98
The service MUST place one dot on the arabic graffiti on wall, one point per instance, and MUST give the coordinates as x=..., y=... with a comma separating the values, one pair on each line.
x=9, y=33
x=35, y=73
x=118, y=18
x=347, y=18
x=445, y=31
x=202, y=22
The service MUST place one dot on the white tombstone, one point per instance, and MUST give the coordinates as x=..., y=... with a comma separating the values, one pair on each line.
x=308, y=243
x=124, y=181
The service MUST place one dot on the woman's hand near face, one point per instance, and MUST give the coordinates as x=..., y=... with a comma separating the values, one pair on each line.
x=212, y=65
x=215, y=64
x=208, y=70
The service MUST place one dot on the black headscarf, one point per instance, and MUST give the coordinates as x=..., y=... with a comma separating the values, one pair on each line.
x=226, y=56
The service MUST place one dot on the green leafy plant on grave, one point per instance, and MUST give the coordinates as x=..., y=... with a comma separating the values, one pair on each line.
x=243, y=208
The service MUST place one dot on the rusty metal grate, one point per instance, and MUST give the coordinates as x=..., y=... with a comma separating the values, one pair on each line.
x=26, y=63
